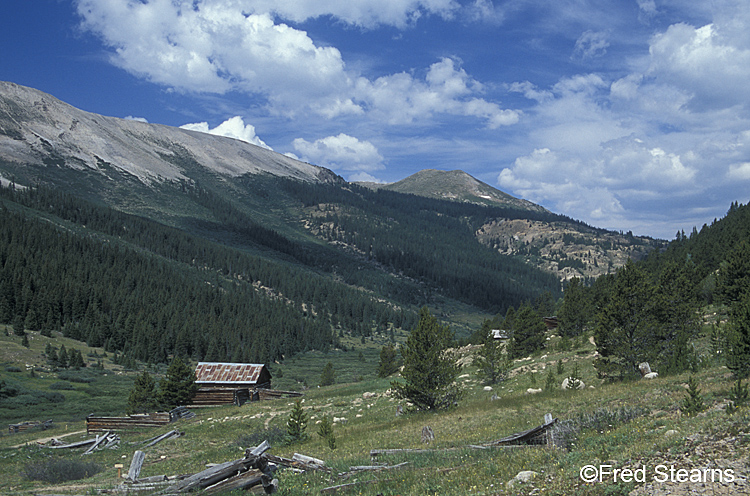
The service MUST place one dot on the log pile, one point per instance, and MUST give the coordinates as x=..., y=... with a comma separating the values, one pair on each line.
x=254, y=470
x=106, y=440
x=33, y=424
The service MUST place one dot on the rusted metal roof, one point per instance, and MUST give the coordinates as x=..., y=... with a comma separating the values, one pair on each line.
x=228, y=373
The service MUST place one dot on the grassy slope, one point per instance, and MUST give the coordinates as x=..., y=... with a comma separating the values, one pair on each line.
x=216, y=434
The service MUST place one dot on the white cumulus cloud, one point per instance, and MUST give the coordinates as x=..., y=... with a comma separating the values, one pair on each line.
x=233, y=127
x=341, y=152
x=217, y=46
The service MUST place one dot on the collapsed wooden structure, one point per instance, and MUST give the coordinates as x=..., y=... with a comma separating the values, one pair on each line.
x=136, y=421
x=541, y=435
x=25, y=426
x=254, y=470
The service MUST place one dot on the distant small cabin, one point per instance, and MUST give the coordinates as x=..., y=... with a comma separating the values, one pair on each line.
x=550, y=322
x=229, y=383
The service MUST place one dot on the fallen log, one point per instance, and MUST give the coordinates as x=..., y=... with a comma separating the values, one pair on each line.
x=372, y=468
x=296, y=464
x=79, y=444
x=135, y=466
x=158, y=439
x=244, y=481
x=334, y=489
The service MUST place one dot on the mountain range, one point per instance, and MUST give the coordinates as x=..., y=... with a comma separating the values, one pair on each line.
x=440, y=238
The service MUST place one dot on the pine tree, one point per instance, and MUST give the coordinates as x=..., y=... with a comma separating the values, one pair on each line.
x=550, y=384
x=143, y=397
x=62, y=357
x=328, y=375
x=297, y=423
x=738, y=338
x=625, y=332
x=492, y=361
x=693, y=403
x=388, y=363
x=178, y=386
x=429, y=371
x=575, y=311
x=738, y=396
x=18, y=326
x=528, y=332
x=325, y=430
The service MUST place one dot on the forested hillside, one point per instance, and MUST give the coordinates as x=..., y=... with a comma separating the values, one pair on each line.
x=223, y=286
x=135, y=286
x=652, y=311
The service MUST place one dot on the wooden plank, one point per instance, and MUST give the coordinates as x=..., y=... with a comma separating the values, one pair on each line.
x=212, y=475
x=135, y=465
x=170, y=434
x=99, y=440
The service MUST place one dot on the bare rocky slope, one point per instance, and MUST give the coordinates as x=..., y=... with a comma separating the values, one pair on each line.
x=38, y=129
x=568, y=249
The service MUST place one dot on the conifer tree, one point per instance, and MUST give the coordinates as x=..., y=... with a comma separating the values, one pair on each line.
x=388, y=363
x=738, y=338
x=178, y=386
x=693, y=403
x=328, y=375
x=297, y=423
x=528, y=332
x=429, y=371
x=143, y=396
x=575, y=311
x=325, y=430
x=492, y=361
x=62, y=357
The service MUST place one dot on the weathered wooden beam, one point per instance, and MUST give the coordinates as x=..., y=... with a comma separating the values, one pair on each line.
x=79, y=444
x=158, y=439
x=214, y=474
x=244, y=480
x=135, y=465
x=99, y=440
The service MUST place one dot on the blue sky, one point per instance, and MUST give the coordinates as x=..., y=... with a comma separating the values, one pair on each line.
x=627, y=114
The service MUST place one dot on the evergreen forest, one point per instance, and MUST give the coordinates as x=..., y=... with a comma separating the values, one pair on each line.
x=225, y=286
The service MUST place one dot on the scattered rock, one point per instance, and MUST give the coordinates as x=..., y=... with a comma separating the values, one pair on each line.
x=533, y=391
x=565, y=382
x=488, y=388
x=651, y=375
x=521, y=478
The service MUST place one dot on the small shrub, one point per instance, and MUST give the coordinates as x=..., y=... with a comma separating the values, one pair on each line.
x=693, y=403
x=55, y=471
x=565, y=432
x=76, y=376
x=12, y=368
x=297, y=423
x=62, y=385
x=325, y=430
x=738, y=396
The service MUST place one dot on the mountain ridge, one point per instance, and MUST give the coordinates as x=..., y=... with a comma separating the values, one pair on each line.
x=37, y=128
x=455, y=185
